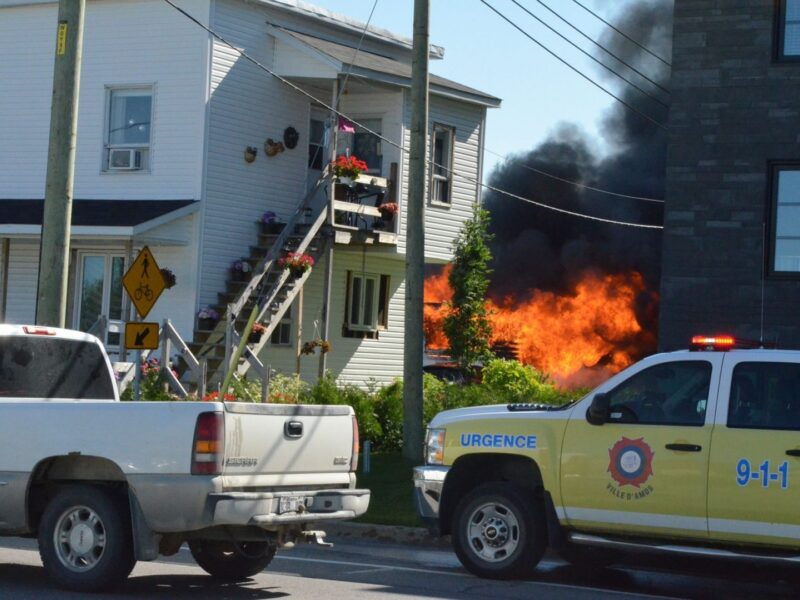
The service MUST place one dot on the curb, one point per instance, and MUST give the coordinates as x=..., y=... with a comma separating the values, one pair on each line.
x=396, y=534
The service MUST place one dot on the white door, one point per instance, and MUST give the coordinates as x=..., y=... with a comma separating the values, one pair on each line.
x=99, y=292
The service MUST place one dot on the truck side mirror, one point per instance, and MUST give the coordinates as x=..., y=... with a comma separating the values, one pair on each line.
x=598, y=410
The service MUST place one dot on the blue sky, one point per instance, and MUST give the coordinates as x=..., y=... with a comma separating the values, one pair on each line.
x=485, y=52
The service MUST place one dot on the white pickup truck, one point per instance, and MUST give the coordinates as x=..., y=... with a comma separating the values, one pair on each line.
x=104, y=483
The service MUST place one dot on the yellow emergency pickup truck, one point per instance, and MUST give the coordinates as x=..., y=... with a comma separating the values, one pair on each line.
x=687, y=452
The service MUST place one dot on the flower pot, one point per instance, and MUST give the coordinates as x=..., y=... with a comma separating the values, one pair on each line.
x=297, y=272
x=272, y=228
x=254, y=337
x=346, y=181
x=240, y=276
x=206, y=324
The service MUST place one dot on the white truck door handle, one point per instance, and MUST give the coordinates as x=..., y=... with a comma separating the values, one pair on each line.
x=293, y=429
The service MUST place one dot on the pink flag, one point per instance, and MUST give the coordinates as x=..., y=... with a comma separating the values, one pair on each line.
x=346, y=126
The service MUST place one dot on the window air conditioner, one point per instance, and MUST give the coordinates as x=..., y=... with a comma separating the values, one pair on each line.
x=124, y=159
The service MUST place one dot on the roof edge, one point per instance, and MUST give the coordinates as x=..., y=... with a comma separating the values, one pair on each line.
x=346, y=23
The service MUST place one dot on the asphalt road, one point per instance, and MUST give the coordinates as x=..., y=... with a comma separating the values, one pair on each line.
x=371, y=570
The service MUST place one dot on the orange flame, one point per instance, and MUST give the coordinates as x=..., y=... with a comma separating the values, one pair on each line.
x=578, y=338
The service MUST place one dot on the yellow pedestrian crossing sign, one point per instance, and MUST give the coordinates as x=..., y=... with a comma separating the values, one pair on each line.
x=141, y=336
x=144, y=282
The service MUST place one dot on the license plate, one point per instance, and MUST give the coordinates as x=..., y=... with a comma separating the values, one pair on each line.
x=290, y=503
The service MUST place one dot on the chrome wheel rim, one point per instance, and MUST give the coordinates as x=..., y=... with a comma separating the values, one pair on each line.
x=79, y=539
x=493, y=532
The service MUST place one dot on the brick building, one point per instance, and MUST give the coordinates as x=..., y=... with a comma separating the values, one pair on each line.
x=732, y=219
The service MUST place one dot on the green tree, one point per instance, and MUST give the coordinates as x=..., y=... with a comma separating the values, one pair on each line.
x=467, y=324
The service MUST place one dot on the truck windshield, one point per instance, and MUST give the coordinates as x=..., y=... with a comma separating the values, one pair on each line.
x=39, y=367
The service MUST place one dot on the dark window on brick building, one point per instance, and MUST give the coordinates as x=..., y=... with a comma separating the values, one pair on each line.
x=788, y=42
x=785, y=219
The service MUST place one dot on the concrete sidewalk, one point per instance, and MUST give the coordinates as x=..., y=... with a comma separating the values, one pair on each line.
x=395, y=534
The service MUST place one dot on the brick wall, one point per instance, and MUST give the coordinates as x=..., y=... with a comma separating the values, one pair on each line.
x=734, y=108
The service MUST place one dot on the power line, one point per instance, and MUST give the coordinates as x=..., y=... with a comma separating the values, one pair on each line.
x=568, y=212
x=391, y=142
x=586, y=77
x=576, y=183
x=594, y=58
x=603, y=48
x=622, y=33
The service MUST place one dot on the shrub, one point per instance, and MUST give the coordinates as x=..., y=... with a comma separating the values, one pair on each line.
x=512, y=381
x=153, y=385
x=286, y=389
x=325, y=391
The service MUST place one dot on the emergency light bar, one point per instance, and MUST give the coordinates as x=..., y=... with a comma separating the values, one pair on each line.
x=721, y=343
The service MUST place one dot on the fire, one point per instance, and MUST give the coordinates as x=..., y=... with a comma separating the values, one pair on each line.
x=578, y=338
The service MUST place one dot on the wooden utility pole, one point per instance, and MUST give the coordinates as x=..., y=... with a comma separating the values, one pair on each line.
x=415, y=244
x=51, y=296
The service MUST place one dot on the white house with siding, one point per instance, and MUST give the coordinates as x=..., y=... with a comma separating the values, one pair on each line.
x=166, y=114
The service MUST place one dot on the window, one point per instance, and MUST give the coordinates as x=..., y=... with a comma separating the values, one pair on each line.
x=674, y=393
x=282, y=334
x=442, y=156
x=363, y=145
x=789, y=30
x=129, y=127
x=39, y=367
x=785, y=219
x=367, y=302
x=765, y=396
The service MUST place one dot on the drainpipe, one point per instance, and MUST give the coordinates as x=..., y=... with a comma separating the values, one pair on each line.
x=328, y=282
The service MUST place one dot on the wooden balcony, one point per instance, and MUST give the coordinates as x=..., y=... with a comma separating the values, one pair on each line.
x=357, y=218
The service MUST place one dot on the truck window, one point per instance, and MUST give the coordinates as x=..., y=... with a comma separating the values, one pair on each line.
x=674, y=393
x=39, y=367
x=765, y=395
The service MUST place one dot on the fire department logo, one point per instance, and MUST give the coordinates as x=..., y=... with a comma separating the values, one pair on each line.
x=630, y=462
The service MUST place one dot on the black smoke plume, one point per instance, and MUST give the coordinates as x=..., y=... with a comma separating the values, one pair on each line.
x=535, y=248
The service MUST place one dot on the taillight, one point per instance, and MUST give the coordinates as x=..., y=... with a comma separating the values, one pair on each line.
x=356, y=447
x=209, y=442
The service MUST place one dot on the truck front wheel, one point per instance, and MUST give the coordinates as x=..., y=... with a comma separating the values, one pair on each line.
x=229, y=560
x=85, y=539
x=498, y=533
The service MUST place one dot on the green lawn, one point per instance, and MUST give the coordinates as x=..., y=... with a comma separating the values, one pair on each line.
x=390, y=481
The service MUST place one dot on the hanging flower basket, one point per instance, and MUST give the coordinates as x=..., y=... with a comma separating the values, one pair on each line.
x=388, y=209
x=296, y=262
x=256, y=332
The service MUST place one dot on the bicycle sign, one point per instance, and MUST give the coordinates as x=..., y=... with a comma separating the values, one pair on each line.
x=144, y=282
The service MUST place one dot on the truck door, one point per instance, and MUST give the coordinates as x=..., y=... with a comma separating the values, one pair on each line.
x=644, y=469
x=754, y=478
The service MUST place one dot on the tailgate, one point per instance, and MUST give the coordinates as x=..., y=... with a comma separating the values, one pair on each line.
x=287, y=441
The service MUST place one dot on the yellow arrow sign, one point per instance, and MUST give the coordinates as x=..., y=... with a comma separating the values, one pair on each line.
x=144, y=282
x=141, y=336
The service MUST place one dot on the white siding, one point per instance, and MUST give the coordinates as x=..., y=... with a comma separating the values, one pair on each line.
x=247, y=107
x=125, y=42
x=351, y=360
x=23, y=269
x=443, y=223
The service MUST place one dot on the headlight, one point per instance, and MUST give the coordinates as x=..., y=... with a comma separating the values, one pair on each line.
x=434, y=447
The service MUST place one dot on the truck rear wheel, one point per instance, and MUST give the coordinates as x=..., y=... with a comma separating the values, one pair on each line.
x=498, y=533
x=229, y=560
x=85, y=540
